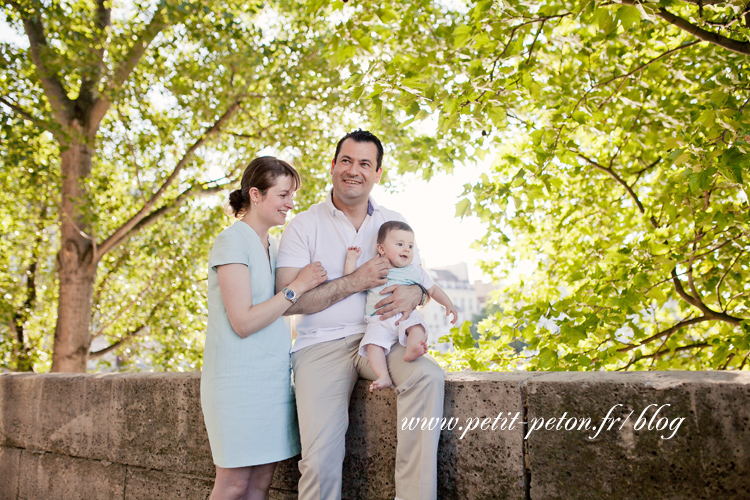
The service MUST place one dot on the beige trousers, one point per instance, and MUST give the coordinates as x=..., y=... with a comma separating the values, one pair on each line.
x=324, y=377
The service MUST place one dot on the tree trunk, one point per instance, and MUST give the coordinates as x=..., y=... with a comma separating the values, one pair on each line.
x=76, y=263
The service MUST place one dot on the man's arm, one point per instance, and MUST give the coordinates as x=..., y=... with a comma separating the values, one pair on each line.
x=372, y=273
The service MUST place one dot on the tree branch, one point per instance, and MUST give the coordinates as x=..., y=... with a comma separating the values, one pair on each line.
x=718, y=285
x=62, y=107
x=721, y=245
x=696, y=302
x=698, y=32
x=691, y=282
x=141, y=191
x=621, y=181
x=133, y=333
x=144, y=38
x=707, y=36
x=124, y=309
x=160, y=212
x=646, y=168
x=697, y=345
x=121, y=233
x=124, y=69
x=184, y=196
x=36, y=121
x=533, y=44
x=669, y=331
x=90, y=82
x=124, y=339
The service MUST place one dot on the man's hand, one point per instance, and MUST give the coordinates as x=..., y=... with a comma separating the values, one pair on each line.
x=372, y=273
x=402, y=299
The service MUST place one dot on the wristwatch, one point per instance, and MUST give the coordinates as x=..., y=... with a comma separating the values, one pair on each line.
x=289, y=294
x=425, y=295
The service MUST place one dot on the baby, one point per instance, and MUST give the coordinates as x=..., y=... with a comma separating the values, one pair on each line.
x=396, y=243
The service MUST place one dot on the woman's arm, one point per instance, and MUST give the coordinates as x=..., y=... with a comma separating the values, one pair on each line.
x=247, y=318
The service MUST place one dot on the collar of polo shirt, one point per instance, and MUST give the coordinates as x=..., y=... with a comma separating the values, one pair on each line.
x=371, y=205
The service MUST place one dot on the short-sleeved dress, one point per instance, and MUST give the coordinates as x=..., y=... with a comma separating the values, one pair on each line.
x=246, y=392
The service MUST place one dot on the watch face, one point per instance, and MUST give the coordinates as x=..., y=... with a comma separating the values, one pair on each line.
x=289, y=294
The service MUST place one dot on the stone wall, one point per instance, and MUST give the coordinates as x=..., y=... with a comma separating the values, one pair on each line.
x=141, y=436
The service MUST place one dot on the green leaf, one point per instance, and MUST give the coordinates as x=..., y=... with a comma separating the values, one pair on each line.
x=547, y=358
x=461, y=35
x=386, y=14
x=414, y=83
x=353, y=80
x=628, y=16
x=463, y=208
x=732, y=163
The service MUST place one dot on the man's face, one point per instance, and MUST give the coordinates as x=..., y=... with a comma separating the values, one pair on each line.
x=353, y=172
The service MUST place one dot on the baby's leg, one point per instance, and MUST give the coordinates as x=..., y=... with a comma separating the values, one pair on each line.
x=350, y=264
x=416, y=342
x=376, y=355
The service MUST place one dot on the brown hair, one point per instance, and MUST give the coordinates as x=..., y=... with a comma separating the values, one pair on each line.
x=261, y=173
x=392, y=225
x=360, y=135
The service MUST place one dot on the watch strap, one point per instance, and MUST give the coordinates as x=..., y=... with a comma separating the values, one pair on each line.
x=423, y=301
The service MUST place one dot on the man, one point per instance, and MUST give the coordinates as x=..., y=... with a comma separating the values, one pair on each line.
x=325, y=357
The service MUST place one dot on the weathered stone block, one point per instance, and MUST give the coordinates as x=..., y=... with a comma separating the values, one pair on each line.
x=275, y=494
x=61, y=413
x=74, y=411
x=370, y=461
x=471, y=464
x=60, y=477
x=287, y=475
x=157, y=423
x=20, y=395
x=707, y=455
x=10, y=470
x=145, y=484
x=482, y=463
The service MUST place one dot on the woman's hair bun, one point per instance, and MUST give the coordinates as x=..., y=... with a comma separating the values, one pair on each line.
x=236, y=201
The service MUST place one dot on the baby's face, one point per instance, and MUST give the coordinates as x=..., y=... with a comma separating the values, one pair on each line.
x=398, y=247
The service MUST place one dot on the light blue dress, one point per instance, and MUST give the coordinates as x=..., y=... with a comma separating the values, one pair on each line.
x=246, y=392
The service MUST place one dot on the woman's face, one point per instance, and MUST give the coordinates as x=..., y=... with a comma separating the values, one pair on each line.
x=277, y=202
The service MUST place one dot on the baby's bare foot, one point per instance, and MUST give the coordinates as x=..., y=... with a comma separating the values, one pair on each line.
x=415, y=351
x=381, y=383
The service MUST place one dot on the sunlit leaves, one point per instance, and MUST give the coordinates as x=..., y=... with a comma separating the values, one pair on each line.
x=621, y=156
x=150, y=291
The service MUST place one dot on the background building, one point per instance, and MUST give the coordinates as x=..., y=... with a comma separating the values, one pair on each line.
x=454, y=280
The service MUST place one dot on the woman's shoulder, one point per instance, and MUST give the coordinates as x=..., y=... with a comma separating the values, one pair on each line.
x=229, y=234
x=230, y=246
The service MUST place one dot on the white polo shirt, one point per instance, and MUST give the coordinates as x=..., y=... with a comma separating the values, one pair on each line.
x=323, y=233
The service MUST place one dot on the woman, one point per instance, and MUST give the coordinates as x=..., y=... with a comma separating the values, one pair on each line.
x=246, y=393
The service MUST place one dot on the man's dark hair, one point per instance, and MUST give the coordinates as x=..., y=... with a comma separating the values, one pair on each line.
x=360, y=135
x=392, y=225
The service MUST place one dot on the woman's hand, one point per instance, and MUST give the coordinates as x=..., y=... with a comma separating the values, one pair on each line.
x=308, y=278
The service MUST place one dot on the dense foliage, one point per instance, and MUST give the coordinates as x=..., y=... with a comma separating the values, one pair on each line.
x=616, y=202
x=621, y=132
x=170, y=99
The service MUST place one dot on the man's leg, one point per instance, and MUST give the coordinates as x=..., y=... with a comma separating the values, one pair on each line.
x=324, y=377
x=419, y=394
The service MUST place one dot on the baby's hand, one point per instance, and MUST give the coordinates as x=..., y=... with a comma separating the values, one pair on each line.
x=452, y=310
x=350, y=264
